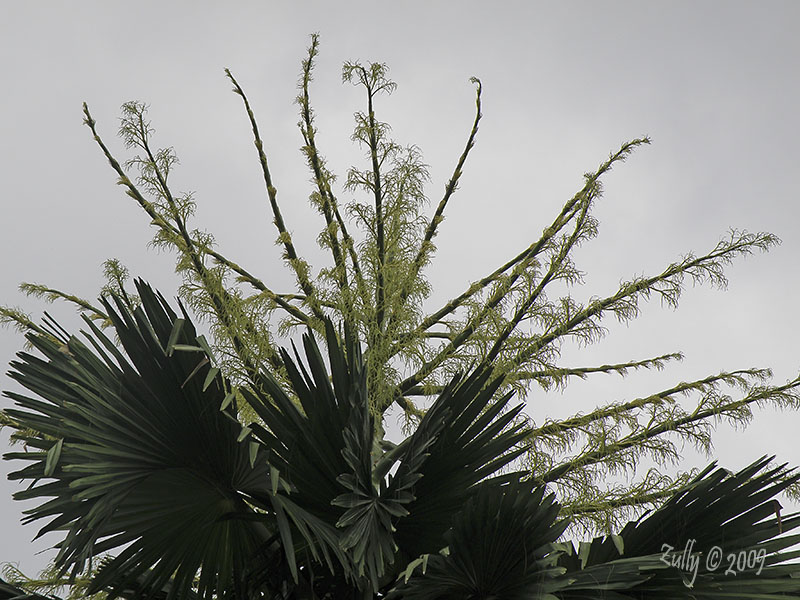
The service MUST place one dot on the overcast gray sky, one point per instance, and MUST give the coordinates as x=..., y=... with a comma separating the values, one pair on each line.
x=714, y=83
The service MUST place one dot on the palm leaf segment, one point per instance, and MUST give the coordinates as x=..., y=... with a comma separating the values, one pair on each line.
x=139, y=450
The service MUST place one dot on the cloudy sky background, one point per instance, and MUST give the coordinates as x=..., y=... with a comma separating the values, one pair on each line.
x=714, y=83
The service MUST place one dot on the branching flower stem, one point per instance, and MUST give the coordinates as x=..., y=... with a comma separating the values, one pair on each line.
x=426, y=247
x=369, y=81
x=197, y=262
x=51, y=294
x=499, y=294
x=559, y=428
x=623, y=302
x=559, y=374
x=299, y=267
x=697, y=416
x=329, y=205
x=556, y=264
x=531, y=251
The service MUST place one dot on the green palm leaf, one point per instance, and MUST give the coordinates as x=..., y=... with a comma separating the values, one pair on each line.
x=499, y=546
x=727, y=522
x=12, y=592
x=135, y=452
x=466, y=438
x=323, y=446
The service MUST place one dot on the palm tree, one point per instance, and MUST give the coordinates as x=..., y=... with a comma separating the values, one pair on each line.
x=379, y=241
x=136, y=451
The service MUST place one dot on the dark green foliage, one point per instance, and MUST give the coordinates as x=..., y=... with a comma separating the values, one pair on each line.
x=500, y=545
x=12, y=592
x=139, y=452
